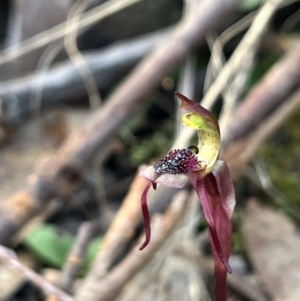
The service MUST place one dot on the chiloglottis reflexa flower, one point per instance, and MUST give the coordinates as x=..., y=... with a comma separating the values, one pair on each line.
x=209, y=177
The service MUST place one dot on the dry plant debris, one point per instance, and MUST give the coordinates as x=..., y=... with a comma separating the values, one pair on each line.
x=51, y=171
x=272, y=243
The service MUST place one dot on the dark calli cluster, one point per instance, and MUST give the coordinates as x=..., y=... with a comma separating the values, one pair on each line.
x=178, y=161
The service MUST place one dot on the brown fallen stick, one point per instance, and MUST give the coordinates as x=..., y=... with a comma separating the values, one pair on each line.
x=47, y=288
x=280, y=82
x=122, y=230
x=157, y=269
x=63, y=172
x=119, y=235
x=239, y=153
x=108, y=287
x=63, y=82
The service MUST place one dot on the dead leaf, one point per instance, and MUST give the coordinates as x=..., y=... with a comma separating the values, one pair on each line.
x=273, y=246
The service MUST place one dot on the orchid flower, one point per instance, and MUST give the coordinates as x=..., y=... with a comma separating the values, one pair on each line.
x=209, y=177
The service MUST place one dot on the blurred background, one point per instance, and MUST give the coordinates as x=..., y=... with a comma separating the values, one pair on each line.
x=87, y=101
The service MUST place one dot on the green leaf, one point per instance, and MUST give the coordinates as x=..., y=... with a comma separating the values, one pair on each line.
x=248, y=5
x=49, y=244
x=52, y=247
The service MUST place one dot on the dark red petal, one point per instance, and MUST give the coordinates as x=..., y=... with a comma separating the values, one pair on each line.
x=146, y=215
x=220, y=278
x=218, y=249
x=221, y=232
x=219, y=223
x=198, y=183
x=225, y=186
x=214, y=191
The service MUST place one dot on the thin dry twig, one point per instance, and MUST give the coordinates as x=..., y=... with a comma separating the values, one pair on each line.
x=108, y=287
x=184, y=236
x=158, y=270
x=57, y=32
x=51, y=52
x=73, y=265
x=47, y=288
x=120, y=232
x=35, y=98
x=87, y=76
x=75, y=55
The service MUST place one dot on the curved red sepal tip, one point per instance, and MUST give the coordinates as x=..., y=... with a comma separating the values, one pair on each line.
x=146, y=216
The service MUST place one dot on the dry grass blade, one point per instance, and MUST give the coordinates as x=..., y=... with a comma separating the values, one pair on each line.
x=217, y=44
x=76, y=57
x=59, y=31
x=244, y=51
x=35, y=99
